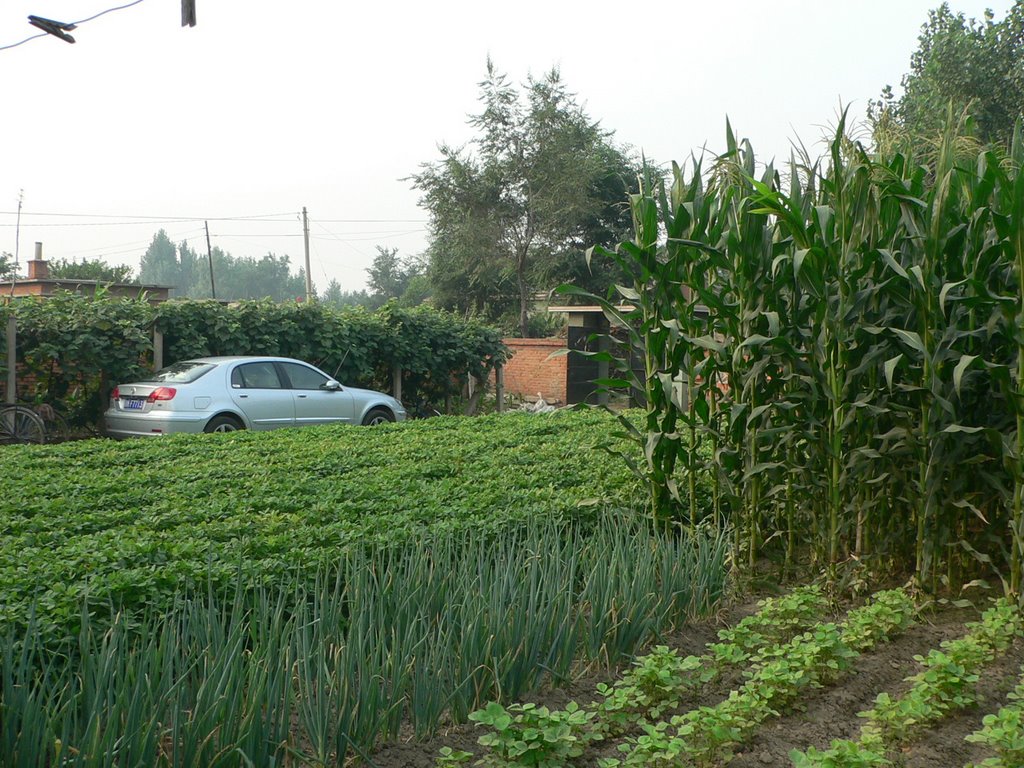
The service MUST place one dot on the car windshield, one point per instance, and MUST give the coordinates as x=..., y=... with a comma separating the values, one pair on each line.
x=181, y=373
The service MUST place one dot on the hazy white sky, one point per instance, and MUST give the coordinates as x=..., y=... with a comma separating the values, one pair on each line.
x=265, y=107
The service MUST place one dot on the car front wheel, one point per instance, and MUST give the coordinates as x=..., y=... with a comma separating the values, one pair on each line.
x=223, y=424
x=378, y=416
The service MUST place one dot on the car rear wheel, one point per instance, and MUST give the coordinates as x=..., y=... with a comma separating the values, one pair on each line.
x=223, y=424
x=378, y=416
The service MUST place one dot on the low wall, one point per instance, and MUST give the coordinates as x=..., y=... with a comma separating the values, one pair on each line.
x=533, y=370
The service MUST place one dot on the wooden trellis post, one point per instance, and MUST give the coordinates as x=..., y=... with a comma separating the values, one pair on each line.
x=12, y=358
x=158, y=350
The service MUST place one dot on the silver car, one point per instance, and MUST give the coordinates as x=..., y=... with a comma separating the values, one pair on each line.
x=223, y=394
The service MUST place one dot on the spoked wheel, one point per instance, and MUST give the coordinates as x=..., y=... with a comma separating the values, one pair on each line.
x=223, y=424
x=378, y=416
x=21, y=425
x=57, y=429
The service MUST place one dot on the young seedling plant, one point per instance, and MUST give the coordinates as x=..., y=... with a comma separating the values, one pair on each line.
x=707, y=736
x=528, y=736
x=657, y=681
x=1003, y=733
x=944, y=685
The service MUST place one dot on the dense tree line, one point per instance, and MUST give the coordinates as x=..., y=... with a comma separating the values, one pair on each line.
x=234, y=278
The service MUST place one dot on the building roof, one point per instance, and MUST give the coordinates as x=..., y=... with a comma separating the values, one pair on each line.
x=593, y=309
x=50, y=286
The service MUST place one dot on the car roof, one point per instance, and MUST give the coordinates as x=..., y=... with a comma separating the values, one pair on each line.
x=242, y=358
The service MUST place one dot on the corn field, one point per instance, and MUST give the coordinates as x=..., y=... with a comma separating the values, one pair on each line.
x=845, y=339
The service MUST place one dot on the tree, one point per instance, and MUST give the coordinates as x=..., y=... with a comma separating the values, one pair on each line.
x=334, y=296
x=91, y=269
x=515, y=211
x=246, y=277
x=391, y=276
x=159, y=264
x=193, y=272
x=417, y=290
x=966, y=65
x=7, y=266
x=243, y=277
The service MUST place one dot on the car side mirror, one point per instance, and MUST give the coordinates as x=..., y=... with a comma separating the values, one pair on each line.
x=332, y=386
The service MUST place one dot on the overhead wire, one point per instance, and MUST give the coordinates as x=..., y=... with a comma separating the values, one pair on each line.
x=349, y=239
x=333, y=236
x=341, y=239
x=75, y=23
x=269, y=218
x=105, y=249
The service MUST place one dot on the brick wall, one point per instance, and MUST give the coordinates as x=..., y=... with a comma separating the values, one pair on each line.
x=532, y=370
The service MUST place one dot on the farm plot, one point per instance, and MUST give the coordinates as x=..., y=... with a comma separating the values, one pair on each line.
x=901, y=689
x=134, y=522
x=299, y=598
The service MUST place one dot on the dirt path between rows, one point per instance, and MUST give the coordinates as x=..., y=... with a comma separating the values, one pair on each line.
x=828, y=714
x=832, y=713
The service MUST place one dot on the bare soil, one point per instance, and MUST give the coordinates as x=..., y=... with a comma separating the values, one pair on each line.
x=827, y=714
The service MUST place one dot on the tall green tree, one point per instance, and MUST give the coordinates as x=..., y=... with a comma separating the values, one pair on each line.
x=159, y=264
x=514, y=211
x=91, y=269
x=391, y=276
x=968, y=65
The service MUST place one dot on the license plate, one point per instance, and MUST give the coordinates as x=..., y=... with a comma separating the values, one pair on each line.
x=135, y=404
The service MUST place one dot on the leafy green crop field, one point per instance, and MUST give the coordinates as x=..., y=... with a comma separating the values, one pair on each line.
x=135, y=522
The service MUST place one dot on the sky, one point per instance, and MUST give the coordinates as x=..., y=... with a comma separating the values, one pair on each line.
x=264, y=107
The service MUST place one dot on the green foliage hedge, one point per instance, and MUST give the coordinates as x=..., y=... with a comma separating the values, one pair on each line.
x=76, y=346
x=135, y=522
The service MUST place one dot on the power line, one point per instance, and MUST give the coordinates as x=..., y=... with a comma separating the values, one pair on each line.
x=270, y=218
x=155, y=216
x=374, y=221
x=341, y=239
x=134, y=246
x=335, y=237
x=109, y=10
x=74, y=23
x=236, y=234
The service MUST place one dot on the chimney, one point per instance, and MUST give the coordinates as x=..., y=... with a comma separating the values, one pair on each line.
x=37, y=268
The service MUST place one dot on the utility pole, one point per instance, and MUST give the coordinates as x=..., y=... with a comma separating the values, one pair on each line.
x=17, y=244
x=305, y=237
x=209, y=256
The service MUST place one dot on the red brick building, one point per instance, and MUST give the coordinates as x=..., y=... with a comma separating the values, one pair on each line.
x=538, y=367
x=547, y=368
x=40, y=283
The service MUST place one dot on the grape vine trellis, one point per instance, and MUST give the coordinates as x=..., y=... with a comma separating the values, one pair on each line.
x=71, y=343
x=867, y=312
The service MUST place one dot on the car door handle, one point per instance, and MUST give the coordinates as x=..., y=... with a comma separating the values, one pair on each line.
x=302, y=396
x=243, y=396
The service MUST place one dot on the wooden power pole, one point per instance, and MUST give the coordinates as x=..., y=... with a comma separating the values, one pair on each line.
x=305, y=238
x=209, y=256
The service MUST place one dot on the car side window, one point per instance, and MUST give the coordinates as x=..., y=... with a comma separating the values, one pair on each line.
x=256, y=376
x=302, y=377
